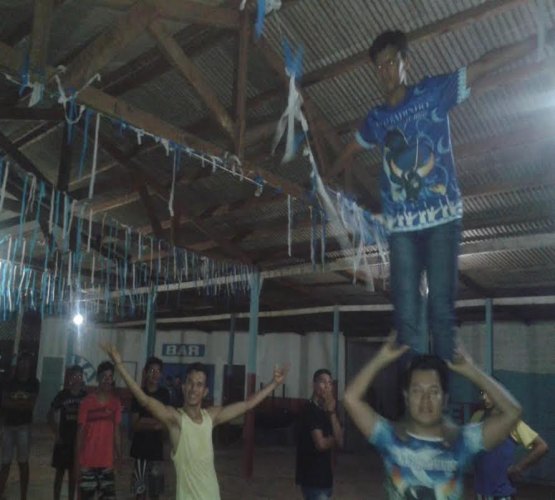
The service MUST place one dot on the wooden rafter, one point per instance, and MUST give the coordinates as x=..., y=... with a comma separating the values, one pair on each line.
x=42, y=20
x=192, y=74
x=194, y=12
x=241, y=84
x=12, y=150
x=105, y=47
x=32, y=114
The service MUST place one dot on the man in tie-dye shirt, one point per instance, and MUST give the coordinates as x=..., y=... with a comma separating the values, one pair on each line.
x=424, y=454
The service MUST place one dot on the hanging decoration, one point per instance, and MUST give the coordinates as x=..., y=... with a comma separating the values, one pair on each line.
x=263, y=8
x=293, y=111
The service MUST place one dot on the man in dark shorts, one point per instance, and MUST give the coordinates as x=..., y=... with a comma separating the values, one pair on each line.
x=18, y=402
x=147, y=447
x=66, y=402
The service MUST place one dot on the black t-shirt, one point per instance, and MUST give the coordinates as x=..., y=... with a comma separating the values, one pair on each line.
x=17, y=390
x=313, y=466
x=149, y=445
x=68, y=405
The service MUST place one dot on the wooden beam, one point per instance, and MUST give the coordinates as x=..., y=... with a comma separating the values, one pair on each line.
x=241, y=84
x=191, y=73
x=64, y=169
x=108, y=44
x=42, y=21
x=150, y=210
x=448, y=24
x=32, y=114
x=198, y=13
x=24, y=162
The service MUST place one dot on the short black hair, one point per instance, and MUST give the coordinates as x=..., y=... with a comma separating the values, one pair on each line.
x=153, y=360
x=396, y=39
x=75, y=369
x=197, y=367
x=321, y=371
x=428, y=362
x=104, y=366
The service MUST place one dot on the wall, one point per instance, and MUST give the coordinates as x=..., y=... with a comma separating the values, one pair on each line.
x=305, y=354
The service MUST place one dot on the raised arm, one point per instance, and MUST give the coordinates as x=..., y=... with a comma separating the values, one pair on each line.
x=495, y=59
x=363, y=415
x=221, y=414
x=499, y=425
x=165, y=414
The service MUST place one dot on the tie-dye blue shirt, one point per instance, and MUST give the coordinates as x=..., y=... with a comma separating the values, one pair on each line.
x=419, y=468
x=418, y=181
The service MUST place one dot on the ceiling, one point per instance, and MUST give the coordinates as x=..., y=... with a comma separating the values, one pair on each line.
x=193, y=73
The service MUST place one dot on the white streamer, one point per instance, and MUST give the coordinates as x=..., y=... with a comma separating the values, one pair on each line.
x=95, y=156
x=4, y=183
x=172, y=192
x=289, y=224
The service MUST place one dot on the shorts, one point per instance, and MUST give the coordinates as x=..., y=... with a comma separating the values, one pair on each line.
x=148, y=477
x=97, y=479
x=16, y=436
x=63, y=455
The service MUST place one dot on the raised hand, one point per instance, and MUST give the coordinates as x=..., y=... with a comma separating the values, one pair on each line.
x=391, y=350
x=329, y=403
x=111, y=351
x=280, y=373
x=462, y=362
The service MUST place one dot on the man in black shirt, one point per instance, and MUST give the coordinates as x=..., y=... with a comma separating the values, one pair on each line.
x=66, y=402
x=18, y=401
x=147, y=447
x=319, y=432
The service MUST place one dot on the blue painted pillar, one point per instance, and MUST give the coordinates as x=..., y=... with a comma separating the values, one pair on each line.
x=229, y=366
x=336, y=343
x=255, y=283
x=150, y=325
x=488, y=352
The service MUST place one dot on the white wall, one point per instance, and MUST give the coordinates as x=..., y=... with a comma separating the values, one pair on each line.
x=304, y=353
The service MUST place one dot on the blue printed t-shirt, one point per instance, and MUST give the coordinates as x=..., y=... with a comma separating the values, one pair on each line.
x=418, y=182
x=421, y=468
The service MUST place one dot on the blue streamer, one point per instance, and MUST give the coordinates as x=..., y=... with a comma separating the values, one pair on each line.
x=260, y=18
x=293, y=60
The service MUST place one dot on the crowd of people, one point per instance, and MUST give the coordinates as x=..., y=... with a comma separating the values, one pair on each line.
x=424, y=452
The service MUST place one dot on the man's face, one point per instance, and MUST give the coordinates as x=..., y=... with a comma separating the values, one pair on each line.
x=153, y=374
x=106, y=380
x=75, y=381
x=323, y=386
x=194, y=388
x=391, y=69
x=488, y=403
x=425, y=397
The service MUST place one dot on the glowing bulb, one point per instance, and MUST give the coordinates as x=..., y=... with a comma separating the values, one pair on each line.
x=78, y=319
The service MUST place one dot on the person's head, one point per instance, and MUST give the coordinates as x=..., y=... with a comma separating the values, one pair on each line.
x=153, y=370
x=23, y=365
x=75, y=377
x=322, y=383
x=195, y=387
x=389, y=53
x=105, y=376
x=426, y=389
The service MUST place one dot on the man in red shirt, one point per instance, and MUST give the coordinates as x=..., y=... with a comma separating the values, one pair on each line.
x=98, y=437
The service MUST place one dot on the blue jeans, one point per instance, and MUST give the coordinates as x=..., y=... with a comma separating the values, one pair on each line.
x=434, y=250
x=316, y=493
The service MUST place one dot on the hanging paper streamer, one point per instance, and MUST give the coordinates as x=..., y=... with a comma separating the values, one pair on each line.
x=6, y=170
x=293, y=111
x=264, y=7
x=289, y=225
x=95, y=156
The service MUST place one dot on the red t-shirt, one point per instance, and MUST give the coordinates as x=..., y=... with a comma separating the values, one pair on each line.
x=99, y=421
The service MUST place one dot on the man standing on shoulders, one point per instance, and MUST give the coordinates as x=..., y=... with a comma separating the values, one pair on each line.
x=495, y=473
x=190, y=427
x=18, y=402
x=319, y=433
x=424, y=454
x=67, y=403
x=147, y=447
x=98, y=438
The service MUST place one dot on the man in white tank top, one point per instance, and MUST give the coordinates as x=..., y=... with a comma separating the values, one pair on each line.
x=190, y=427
